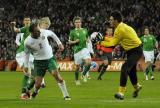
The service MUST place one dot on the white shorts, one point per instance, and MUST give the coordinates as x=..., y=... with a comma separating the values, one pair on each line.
x=158, y=56
x=20, y=59
x=149, y=56
x=81, y=55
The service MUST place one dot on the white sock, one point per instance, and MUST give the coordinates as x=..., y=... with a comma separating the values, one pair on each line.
x=87, y=74
x=43, y=81
x=36, y=90
x=63, y=88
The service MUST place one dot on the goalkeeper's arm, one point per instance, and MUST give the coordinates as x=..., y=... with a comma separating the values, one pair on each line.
x=109, y=42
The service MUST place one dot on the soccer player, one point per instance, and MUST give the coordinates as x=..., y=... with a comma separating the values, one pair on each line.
x=20, y=52
x=37, y=44
x=93, y=64
x=44, y=23
x=128, y=39
x=78, y=38
x=149, y=44
x=105, y=54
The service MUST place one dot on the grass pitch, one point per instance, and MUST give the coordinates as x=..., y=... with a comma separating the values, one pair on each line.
x=93, y=94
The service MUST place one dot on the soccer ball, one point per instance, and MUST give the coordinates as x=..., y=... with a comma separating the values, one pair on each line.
x=96, y=37
x=93, y=65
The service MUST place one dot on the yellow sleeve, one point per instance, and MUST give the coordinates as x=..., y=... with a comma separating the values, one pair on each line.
x=107, y=38
x=112, y=41
x=109, y=42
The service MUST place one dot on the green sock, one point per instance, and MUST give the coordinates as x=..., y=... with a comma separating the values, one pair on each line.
x=150, y=70
x=86, y=69
x=76, y=74
x=24, y=83
x=31, y=84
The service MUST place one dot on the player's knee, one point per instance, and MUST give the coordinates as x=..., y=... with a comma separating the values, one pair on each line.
x=105, y=62
x=56, y=75
x=88, y=63
x=126, y=68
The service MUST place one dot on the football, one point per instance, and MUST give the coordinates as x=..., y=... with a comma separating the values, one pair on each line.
x=93, y=65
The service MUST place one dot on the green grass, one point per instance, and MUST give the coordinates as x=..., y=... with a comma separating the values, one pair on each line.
x=93, y=94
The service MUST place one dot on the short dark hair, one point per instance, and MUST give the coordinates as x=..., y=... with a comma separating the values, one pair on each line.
x=146, y=27
x=26, y=17
x=32, y=26
x=77, y=18
x=117, y=15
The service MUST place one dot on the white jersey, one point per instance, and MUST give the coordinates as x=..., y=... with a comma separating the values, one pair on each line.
x=19, y=38
x=89, y=46
x=40, y=48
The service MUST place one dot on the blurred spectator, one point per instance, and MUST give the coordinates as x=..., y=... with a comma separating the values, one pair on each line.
x=137, y=13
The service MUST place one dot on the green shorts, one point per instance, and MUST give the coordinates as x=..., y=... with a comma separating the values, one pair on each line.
x=41, y=66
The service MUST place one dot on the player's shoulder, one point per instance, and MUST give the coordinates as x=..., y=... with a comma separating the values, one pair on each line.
x=72, y=30
x=28, y=39
x=25, y=27
x=44, y=31
x=124, y=26
x=142, y=36
x=22, y=28
x=153, y=36
x=84, y=29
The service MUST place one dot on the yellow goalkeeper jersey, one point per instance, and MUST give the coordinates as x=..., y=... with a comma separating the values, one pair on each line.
x=123, y=35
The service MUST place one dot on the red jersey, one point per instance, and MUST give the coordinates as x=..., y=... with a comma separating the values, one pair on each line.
x=105, y=49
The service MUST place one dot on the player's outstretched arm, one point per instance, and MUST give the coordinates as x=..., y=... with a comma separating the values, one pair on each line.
x=13, y=24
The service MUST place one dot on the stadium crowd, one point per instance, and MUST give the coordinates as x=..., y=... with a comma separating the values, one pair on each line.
x=137, y=13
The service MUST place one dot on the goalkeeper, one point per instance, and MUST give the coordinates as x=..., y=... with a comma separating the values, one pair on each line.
x=128, y=39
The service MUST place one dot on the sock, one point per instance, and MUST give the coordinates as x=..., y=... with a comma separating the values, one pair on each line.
x=87, y=74
x=86, y=69
x=103, y=70
x=150, y=70
x=31, y=84
x=36, y=90
x=25, y=83
x=82, y=65
x=147, y=71
x=43, y=81
x=153, y=66
x=122, y=90
x=76, y=74
x=63, y=88
x=136, y=86
x=100, y=67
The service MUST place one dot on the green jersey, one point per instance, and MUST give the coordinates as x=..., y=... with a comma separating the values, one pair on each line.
x=148, y=42
x=26, y=32
x=82, y=35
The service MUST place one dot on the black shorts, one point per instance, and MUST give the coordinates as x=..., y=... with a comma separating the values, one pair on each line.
x=106, y=56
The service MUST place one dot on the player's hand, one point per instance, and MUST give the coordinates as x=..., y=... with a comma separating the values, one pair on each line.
x=13, y=23
x=61, y=47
